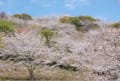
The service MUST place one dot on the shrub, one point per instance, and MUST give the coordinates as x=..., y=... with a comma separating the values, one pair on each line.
x=64, y=19
x=7, y=26
x=116, y=25
x=72, y=20
x=91, y=26
x=23, y=16
x=26, y=17
x=17, y=16
x=75, y=21
x=89, y=18
x=47, y=34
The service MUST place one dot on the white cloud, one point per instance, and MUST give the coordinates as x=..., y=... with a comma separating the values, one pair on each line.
x=44, y=3
x=72, y=4
x=69, y=4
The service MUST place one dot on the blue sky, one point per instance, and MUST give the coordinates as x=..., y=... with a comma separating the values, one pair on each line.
x=105, y=9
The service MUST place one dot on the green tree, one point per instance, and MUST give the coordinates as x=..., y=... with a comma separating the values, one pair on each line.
x=89, y=18
x=47, y=34
x=75, y=21
x=26, y=16
x=23, y=16
x=17, y=16
x=7, y=26
x=116, y=25
x=64, y=19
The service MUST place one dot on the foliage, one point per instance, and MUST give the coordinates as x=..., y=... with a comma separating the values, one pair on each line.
x=90, y=26
x=64, y=19
x=73, y=20
x=17, y=16
x=23, y=16
x=89, y=18
x=116, y=25
x=47, y=34
x=77, y=21
x=26, y=17
x=7, y=26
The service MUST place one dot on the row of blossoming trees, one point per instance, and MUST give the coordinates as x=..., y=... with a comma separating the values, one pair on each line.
x=24, y=54
x=28, y=48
